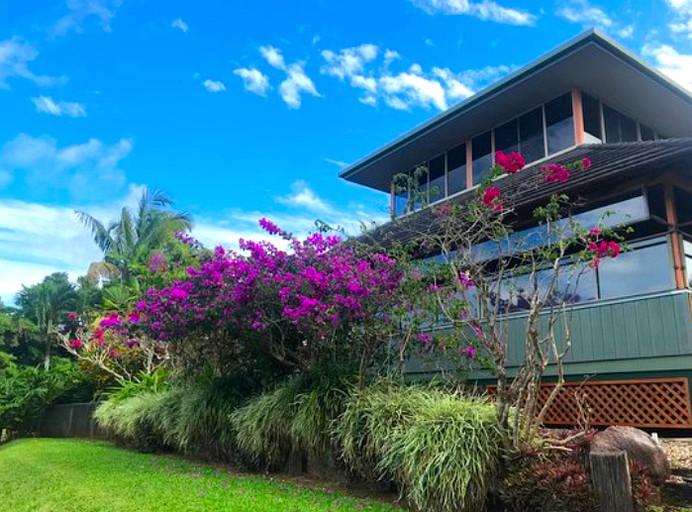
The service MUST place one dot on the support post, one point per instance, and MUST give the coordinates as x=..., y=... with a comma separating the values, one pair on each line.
x=610, y=475
x=578, y=115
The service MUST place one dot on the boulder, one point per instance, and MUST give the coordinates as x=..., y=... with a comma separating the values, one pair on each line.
x=640, y=447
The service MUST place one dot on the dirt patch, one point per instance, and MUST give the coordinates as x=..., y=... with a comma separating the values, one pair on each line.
x=678, y=489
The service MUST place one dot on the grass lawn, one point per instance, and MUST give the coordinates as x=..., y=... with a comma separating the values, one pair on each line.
x=63, y=475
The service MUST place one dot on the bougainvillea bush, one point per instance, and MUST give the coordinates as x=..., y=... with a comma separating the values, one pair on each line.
x=303, y=302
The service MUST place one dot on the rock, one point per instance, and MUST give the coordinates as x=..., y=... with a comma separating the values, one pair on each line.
x=640, y=447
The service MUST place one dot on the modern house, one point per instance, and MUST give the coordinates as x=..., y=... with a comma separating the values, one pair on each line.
x=631, y=325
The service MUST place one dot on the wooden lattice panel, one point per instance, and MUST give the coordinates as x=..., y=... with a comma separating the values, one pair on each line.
x=659, y=403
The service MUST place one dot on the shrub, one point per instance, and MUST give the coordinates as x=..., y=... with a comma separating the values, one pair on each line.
x=295, y=416
x=26, y=391
x=559, y=481
x=440, y=448
x=129, y=421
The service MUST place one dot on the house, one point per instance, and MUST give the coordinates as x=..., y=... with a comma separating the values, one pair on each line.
x=631, y=323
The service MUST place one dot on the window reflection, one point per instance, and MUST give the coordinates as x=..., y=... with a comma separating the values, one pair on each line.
x=592, y=119
x=646, y=269
x=618, y=127
x=481, y=147
x=559, y=123
x=436, y=185
x=456, y=163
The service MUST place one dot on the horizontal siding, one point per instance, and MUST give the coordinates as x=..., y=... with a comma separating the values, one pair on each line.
x=647, y=327
x=641, y=328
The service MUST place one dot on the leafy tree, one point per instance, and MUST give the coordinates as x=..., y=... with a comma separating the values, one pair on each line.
x=131, y=238
x=20, y=339
x=47, y=304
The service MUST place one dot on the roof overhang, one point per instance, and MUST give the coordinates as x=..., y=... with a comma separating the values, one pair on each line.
x=590, y=62
x=615, y=168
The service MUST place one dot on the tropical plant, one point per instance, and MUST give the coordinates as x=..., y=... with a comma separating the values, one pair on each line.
x=47, y=304
x=133, y=236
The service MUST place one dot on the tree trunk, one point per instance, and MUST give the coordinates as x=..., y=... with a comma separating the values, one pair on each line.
x=610, y=475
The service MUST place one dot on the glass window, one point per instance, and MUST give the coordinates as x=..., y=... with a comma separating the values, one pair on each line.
x=618, y=127
x=559, y=123
x=420, y=195
x=481, y=147
x=646, y=132
x=531, y=143
x=645, y=269
x=436, y=185
x=592, y=119
x=683, y=205
x=687, y=248
x=400, y=199
x=456, y=175
x=507, y=137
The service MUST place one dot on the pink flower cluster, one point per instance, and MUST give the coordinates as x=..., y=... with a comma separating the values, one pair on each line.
x=316, y=286
x=511, y=163
x=602, y=248
x=491, y=198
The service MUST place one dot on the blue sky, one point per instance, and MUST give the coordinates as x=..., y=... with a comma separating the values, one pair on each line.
x=244, y=109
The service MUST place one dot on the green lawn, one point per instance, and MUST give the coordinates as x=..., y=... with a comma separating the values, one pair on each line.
x=61, y=475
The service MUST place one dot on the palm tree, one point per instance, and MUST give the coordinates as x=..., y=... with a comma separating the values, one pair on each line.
x=134, y=235
x=47, y=304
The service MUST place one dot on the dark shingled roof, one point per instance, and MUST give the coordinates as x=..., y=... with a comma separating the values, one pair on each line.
x=611, y=165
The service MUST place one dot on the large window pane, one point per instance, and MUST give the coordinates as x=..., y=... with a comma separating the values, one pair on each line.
x=400, y=200
x=531, y=143
x=643, y=270
x=559, y=123
x=507, y=137
x=436, y=186
x=482, y=150
x=646, y=132
x=456, y=163
x=618, y=127
x=592, y=119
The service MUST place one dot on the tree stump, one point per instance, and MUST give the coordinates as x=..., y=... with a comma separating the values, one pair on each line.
x=610, y=474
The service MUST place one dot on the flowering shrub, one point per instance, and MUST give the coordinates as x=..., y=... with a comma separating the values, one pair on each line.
x=298, y=304
x=482, y=268
x=116, y=344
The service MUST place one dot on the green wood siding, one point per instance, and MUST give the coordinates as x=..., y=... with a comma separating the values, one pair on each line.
x=638, y=328
x=620, y=335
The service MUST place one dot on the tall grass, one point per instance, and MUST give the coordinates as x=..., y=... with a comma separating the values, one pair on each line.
x=295, y=416
x=439, y=448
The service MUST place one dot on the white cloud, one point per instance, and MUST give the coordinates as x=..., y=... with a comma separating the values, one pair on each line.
x=85, y=170
x=47, y=105
x=338, y=163
x=439, y=88
x=682, y=24
x=253, y=80
x=273, y=56
x=81, y=10
x=297, y=81
x=302, y=196
x=349, y=61
x=678, y=66
x=15, y=55
x=213, y=85
x=485, y=10
x=408, y=89
x=580, y=11
x=179, y=23
x=626, y=32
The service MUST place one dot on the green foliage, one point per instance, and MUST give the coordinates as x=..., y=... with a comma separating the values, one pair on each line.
x=295, y=416
x=25, y=392
x=440, y=448
x=190, y=418
x=131, y=238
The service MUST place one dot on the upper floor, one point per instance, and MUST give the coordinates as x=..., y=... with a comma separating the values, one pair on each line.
x=589, y=91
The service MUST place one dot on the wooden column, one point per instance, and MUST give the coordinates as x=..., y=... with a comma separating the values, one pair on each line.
x=610, y=475
x=578, y=115
x=469, y=164
x=672, y=220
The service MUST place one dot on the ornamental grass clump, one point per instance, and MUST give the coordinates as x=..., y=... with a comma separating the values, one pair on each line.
x=439, y=448
x=296, y=416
